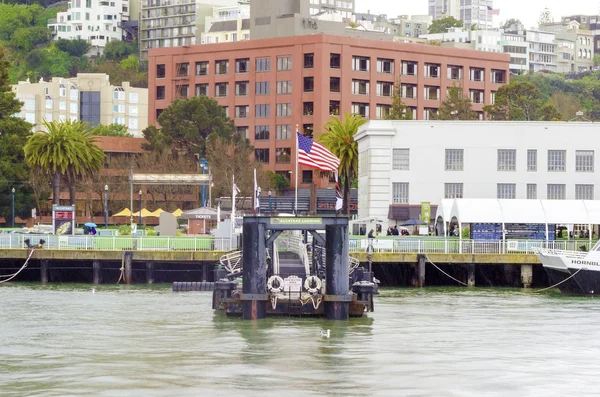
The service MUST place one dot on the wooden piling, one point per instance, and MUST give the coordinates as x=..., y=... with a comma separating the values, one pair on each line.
x=205, y=272
x=420, y=276
x=471, y=275
x=96, y=272
x=526, y=275
x=150, y=272
x=128, y=270
x=44, y=271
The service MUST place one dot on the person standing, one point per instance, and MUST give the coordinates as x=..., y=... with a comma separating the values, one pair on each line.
x=371, y=234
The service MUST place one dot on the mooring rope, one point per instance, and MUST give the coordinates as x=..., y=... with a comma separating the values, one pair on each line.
x=436, y=266
x=556, y=285
x=11, y=276
x=122, y=269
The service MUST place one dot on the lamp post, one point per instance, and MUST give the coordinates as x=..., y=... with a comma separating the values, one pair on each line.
x=140, y=221
x=258, y=200
x=270, y=209
x=203, y=170
x=13, y=207
x=106, y=206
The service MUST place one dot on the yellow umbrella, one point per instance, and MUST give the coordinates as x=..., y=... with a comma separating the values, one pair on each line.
x=125, y=212
x=157, y=212
x=177, y=212
x=145, y=213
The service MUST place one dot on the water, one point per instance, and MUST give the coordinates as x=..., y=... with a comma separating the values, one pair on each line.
x=66, y=341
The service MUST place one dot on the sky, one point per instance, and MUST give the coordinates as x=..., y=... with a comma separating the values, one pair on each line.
x=528, y=11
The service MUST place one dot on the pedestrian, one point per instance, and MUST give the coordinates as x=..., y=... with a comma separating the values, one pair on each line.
x=389, y=231
x=371, y=234
x=395, y=231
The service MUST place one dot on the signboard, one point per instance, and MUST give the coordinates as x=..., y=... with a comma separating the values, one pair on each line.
x=63, y=219
x=33, y=213
x=296, y=221
x=426, y=212
x=292, y=283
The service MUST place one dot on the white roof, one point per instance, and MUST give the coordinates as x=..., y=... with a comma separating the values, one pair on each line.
x=567, y=212
x=444, y=209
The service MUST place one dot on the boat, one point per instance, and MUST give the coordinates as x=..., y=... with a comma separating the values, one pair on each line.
x=573, y=272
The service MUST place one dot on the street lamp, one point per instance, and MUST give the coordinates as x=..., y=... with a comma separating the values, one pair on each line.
x=140, y=222
x=13, y=207
x=270, y=209
x=106, y=206
x=258, y=200
x=203, y=170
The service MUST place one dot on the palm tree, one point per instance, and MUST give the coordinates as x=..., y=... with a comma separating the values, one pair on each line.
x=339, y=139
x=67, y=151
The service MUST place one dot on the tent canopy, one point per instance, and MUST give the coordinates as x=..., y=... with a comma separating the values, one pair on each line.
x=157, y=212
x=125, y=212
x=177, y=212
x=145, y=213
x=476, y=211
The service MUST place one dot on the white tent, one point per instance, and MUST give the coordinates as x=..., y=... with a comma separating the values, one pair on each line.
x=442, y=215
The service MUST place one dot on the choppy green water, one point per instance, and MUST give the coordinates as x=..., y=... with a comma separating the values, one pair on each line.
x=66, y=341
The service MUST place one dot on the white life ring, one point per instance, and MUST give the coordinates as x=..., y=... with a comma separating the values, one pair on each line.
x=270, y=282
x=309, y=281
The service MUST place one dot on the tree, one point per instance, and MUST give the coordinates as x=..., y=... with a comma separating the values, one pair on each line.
x=30, y=37
x=66, y=152
x=566, y=104
x=512, y=23
x=545, y=17
x=110, y=130
x=187, y=124
x=339, y=139
x=442, y=25
x=399, y=110
x=75, y=48
x=515, y=101
x=117, y=50
x=278, y=181
x=456, y=106
x=14, y=132
x=597, y=60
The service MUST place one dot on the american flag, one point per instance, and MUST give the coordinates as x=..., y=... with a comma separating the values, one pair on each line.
x=493, y=11
x=315, y=155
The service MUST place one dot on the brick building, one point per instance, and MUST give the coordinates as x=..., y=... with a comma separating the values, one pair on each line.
x=268, y=86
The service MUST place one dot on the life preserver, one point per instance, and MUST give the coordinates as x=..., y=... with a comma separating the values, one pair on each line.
x=270, y=286
x=310, y=280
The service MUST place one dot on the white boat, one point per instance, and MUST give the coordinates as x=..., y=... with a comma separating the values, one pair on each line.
x=574, y=272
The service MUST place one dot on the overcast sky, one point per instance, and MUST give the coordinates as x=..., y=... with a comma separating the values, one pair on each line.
x=527, y=11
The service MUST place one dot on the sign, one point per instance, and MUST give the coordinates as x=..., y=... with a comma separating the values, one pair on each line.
x=426, y=212
x=296, y=221
x=33, y=213
x=292, y=283
x=63, y=219
x=202, y=216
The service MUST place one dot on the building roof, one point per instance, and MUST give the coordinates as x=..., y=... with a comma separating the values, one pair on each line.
x=505, y=211
x=223, y=26
x=117, y=144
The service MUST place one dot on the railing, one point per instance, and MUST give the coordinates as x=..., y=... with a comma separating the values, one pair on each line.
x=568, y=254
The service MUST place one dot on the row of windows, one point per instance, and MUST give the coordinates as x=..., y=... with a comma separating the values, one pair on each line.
x=283, y=132
x=506, y=160
x=359, y=63
x=400, y=191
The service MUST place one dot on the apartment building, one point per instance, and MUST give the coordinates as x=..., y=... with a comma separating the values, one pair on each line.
x=227, y=24
x=269, y=86
x=89, y=97
x=515, y=45
x=542, y=50
x=523, y=160
x=345, y=8
x=439, y=9
x=575, y=45
x=96, y=21
x=480, y=40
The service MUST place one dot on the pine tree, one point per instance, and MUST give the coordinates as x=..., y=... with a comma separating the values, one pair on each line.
x=456, y=106
x=399, y=110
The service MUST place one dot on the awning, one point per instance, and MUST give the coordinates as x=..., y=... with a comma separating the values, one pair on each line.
x=403, y=212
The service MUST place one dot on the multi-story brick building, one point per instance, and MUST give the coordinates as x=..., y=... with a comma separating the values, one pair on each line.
x=269, y=86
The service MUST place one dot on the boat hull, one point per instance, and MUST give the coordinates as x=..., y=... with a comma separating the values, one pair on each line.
x=572, y=273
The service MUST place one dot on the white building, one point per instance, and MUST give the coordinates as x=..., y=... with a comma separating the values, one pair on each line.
x=542, y=50
x=410, y=162
x=96, y=21
x=227, y=24
x=480, y=40
x=439, y=9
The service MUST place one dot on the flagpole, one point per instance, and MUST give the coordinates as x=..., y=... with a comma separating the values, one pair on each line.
x=296, y=183
x=232, y=217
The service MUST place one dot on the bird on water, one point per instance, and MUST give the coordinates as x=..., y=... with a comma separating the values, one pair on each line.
x=326, y=334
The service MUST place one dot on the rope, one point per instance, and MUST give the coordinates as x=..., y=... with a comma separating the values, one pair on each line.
x=11, y=276
x=434, y=265
x=556, y=285
x=122, y=269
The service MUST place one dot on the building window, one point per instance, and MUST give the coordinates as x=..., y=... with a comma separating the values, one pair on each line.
x=408, y=91
x=556, y=192
x=584, y=192
x=262, y=111
x=361, y=64
x=242, y=65
x=477, y=96
x=182, y=69
x=498, y=76
x=242, y=88
x=283, y=155
x=507, y=191
x=284, y=63
x=531, y=191
x=360, y=87
x=532, y=160
x=133, y=111
x=409, y=68
x=507, y=159
x=263, y=64
x=584, y=160
x=90, y=107
x=308, y=108
x=557, y=160
x=261, y=155
x=477, y=74
x=334, y=108
x=160, y=92
x=160, y=71
x=308, y=130
x=454, y=159
x=382, y=111
x=401, y=159
x=335, y=61
x=221, y=89
x=455, y=72
x=283, y=132
x=453, y=190
x=201, y=89
x=284, y=87
x=385, y=88
x=119, y=108
x=118, y=94
x=73, y=108
x=385, y=66
x=432, y=93
x=309, y=84
x=182, y=90
x=74, y=94
x=242, y=132
x=400, y=192
x=429, y=113
x=361, y=109
x=133, y=97
x=309, y=61
x=307, y=176
x=222, y=67
x=261, y=132
x=432, y=70
x=334, y=84
x=48, y=102
x=242, y=112
x=262, y=87
x=202, y=68
x=284, y=110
